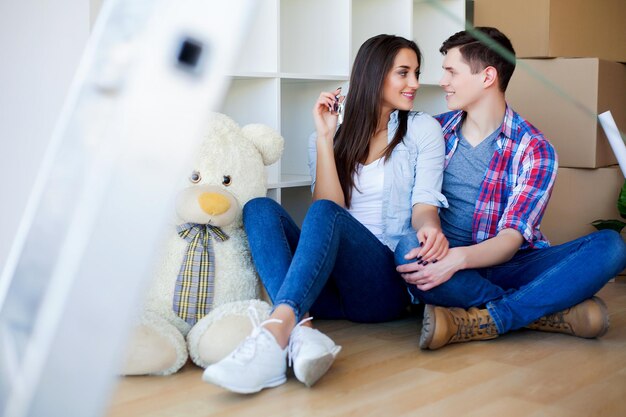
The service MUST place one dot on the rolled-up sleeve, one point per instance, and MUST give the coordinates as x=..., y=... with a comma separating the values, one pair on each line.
x=529, y=197
x=426, y=132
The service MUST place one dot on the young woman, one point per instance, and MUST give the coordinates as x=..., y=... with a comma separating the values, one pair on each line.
x=374, y=177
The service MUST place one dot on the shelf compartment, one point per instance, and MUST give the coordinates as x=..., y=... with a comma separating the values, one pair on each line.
x=374, y=17
x=259, y=52
x=315, y=36
x=255, y=101
x=433, y=23
x=297, y=100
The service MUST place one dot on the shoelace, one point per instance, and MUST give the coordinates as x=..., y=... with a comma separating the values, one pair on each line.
x=556, y=321
x=464, y=328
x=470, y=327
x=247, y=349
x=295, y=342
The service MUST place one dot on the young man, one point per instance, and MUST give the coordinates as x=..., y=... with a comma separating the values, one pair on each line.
x=500, y=273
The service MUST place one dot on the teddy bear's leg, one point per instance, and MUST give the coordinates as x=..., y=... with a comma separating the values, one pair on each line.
x=156, y=348
x=219, y=333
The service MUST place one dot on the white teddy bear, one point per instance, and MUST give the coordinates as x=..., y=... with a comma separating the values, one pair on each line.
x=202, y=293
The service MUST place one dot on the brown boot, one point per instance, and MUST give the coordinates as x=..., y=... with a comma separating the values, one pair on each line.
x=588, y=319
x=442, y=326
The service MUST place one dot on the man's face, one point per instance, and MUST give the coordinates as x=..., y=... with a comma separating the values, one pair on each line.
x=463, y=89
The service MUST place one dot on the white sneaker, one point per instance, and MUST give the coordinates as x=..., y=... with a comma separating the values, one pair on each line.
x=312, y=353
x=258, y=362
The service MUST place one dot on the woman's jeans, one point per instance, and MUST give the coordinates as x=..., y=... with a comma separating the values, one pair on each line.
x=534, y=283
x=335, y=268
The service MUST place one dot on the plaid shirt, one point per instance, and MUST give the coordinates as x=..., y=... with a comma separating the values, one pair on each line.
x=518, y=182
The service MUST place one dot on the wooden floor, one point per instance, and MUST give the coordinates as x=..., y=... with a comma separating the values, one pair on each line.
x=381, y=372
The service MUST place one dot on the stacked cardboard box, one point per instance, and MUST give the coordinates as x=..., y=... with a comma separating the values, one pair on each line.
x=579, y=197
x=569, y=70
x=558, y=28
x=563, y=96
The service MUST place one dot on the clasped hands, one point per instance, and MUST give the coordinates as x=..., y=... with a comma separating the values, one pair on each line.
x=433, y=261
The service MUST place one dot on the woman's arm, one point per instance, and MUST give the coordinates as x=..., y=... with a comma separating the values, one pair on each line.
x=326, y=179
x=425, y=134
x=434, y=245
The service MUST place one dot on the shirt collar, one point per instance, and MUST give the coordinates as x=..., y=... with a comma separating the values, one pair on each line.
x=393, y=118
x=508, y=122
x=506, y=129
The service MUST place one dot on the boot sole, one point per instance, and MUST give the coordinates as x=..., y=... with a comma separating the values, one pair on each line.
x=428, y=327
x=311, y=370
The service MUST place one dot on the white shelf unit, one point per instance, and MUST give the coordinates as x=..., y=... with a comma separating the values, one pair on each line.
x=433, y=23
x=372, y=17
x=298, y=48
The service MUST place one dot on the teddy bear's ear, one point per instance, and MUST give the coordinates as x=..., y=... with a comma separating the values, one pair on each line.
x=220, y=122
x=268, y=141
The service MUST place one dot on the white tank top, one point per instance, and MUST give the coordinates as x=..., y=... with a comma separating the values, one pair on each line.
x=367, y=196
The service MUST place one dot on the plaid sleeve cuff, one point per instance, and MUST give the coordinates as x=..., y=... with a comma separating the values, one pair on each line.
x=517, y=223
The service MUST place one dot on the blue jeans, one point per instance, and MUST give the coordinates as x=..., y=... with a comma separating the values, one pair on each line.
x=534, y=283
x=335, y=268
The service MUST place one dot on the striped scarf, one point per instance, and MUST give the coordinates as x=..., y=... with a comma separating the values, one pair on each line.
x=193, y=297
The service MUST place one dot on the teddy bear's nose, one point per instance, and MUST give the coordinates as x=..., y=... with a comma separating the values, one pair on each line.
x=213, y=203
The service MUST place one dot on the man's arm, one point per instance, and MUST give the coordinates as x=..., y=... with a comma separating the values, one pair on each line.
x=490, y=252
x=529, y=197
x=527, y=202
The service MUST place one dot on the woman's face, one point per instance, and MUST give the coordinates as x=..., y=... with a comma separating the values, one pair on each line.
x=401, y=82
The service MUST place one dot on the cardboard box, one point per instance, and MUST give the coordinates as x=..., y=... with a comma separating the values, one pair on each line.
x=558, y=28
x=563, y=96
x=579, y=197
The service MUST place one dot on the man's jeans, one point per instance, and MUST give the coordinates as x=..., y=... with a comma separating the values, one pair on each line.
x=534, y=283
x=335, y=267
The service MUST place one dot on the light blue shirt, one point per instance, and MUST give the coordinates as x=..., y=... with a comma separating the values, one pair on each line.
x=413, y=173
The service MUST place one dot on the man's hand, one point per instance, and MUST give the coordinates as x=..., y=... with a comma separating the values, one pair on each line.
x=429, y=276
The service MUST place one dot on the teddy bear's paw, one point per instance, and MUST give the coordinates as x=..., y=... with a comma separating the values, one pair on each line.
x=155, y=349
x=219, y=333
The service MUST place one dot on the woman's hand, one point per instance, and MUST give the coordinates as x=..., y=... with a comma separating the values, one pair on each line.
x=429, y=276
x=434, y=244
x=325, y=113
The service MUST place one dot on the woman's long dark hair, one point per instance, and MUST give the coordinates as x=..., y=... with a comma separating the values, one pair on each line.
x=371, y=65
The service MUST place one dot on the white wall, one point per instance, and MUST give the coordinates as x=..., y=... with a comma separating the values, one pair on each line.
x=41, y=42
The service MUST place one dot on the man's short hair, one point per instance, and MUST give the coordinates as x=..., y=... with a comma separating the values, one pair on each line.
x=483, y=47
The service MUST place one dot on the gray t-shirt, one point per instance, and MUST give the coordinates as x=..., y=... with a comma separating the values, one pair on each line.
x=461, y=184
